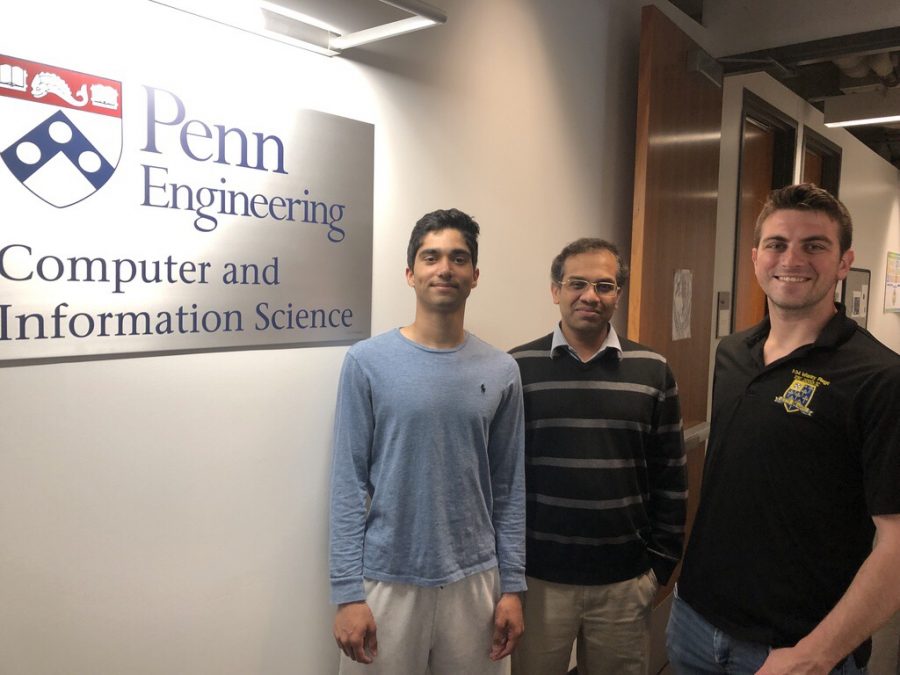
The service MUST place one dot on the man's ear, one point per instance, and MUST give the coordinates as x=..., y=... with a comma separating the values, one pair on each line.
x=846, y=263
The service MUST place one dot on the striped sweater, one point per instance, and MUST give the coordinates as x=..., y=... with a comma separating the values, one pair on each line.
x=604, y=464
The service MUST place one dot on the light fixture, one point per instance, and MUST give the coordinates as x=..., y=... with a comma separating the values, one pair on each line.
x=297, y=16
x=284, y=24
x=387, y=30
x=424, y=16
x=871, y=107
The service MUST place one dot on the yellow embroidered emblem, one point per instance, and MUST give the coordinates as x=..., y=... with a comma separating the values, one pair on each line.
x=798, y=396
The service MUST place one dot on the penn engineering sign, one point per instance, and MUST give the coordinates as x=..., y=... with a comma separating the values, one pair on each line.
x=141, y=225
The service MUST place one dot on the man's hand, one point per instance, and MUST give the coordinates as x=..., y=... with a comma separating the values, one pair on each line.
x=792, y=661
x=872, y=598
x=354, y=631
x=508, y=625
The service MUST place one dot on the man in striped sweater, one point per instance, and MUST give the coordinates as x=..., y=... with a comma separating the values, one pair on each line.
x=605, y=477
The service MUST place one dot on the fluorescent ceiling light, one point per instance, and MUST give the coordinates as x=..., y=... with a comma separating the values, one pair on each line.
x=277, y=22
x=868, y=120
x=418, y=8
x=251, y=17
x=294, y=42
x=871, y=107
x=297, y=16
x=387, y=30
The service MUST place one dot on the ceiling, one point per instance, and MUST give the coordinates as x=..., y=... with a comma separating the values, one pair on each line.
x=810, y=69
x=838, y=66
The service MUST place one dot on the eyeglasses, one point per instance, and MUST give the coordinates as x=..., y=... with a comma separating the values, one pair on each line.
x=577, y=285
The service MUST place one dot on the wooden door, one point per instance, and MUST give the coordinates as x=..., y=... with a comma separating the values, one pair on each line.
x=673, y=233
x=757, y=161
x=768, y=146
x=821, y=161
x=675, y=195
x=812, y=166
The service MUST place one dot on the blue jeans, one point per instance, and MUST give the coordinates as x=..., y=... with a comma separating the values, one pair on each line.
x=696, y=647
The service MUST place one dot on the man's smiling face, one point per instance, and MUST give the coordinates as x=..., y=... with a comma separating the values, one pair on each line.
x=798, y=260
x=443, y=274
x=584, y=312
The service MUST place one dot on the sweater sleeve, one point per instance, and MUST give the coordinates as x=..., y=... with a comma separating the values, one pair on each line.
x=353, y=433
x=506, y=448
x=667, y=474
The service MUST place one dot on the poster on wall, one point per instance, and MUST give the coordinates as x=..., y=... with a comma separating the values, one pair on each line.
x=892, y=283
x=145, y=217
x=681, y=304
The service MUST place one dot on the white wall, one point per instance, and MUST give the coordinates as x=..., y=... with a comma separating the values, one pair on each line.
x=870, y=188
x=169, y=514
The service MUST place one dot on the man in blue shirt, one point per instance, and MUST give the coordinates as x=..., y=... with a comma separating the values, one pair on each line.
x=428, y=500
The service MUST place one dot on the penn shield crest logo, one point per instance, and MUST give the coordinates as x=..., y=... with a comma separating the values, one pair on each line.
x=61, y=130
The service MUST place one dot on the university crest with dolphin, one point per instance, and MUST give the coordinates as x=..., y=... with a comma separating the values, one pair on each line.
x=61, y=135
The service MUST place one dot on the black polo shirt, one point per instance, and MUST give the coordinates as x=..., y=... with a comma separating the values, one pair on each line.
x=802, y=453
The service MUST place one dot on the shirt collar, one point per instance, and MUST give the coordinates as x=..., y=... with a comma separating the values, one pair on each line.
x=560, y=344
x=837, y=331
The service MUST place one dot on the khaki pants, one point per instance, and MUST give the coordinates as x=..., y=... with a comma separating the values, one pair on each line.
x=611, y=623
x=446, y=629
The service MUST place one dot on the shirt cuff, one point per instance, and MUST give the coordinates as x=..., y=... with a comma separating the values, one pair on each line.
x=512, y=581
x=349, y=589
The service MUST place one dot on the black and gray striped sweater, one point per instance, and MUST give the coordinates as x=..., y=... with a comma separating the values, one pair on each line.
x=604, y=464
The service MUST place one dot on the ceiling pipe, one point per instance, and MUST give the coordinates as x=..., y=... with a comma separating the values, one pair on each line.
x=883, y=66
x=858, y=66
x=854, y=65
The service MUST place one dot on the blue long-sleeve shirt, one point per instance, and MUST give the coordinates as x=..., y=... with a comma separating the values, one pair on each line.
x=435, y=439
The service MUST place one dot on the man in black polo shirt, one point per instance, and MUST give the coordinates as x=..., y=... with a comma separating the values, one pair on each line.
x=604, y=475
x=803, y=467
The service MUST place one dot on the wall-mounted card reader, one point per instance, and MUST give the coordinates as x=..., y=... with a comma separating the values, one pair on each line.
x=723, y=314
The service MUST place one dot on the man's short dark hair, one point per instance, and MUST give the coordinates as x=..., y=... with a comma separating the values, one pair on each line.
x=807, y=197
x=443, y=219
x=588, y=245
